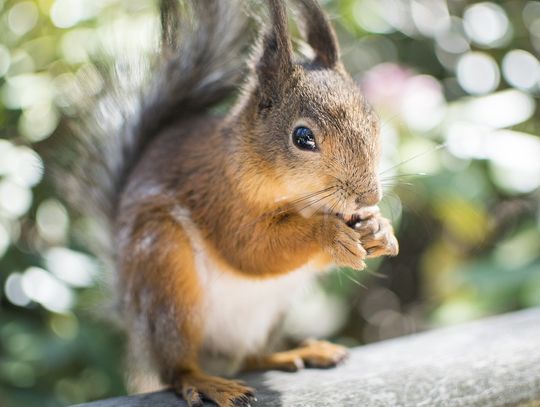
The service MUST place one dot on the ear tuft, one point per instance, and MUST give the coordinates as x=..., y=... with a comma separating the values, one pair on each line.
x=276, y=58
x=320, y=34
x=169, y=12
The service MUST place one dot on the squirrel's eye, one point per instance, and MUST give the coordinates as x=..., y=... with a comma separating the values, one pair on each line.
x=304, y=139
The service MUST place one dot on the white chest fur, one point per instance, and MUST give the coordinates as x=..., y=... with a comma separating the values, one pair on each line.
x=239, y=313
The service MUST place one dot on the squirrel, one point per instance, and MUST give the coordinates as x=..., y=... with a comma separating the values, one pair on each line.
x=218, y=220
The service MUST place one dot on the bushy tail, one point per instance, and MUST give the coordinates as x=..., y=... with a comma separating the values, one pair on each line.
x=200, y=65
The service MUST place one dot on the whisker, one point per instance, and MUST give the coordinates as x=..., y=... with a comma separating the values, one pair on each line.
x=308, y=195
x=288, y=207
x=317, y=201
x=294, y=204
x=358, y=283
x=418, y=174
x=375, y=273
x=410, y=184
x=394, y=197
x=436, y=148
x=388, y=120
x=310, y=204
x=329, y=211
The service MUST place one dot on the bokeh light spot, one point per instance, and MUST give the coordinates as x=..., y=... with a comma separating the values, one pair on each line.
x=27, y=90
x=15, y=200
x=370, y=16
x=452, y=38
x=75, y=43
x=22, y=17
x=21, y=63
x=531, y=13
x=521, y=69
x=43, y=288
x=477, y=73
x=27, y=169
x=486, y=23
x=72, y=267
x=515, y=162
x=430, y=17
x=423, y=104
x=38, y=122
x=501, y=109
x=52, y=221
x=513, y=155
x=65, y=326
x=66, y=13
x=14, y=291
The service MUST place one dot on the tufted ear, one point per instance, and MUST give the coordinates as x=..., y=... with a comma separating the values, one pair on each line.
x=320, y=34
x=276, y=58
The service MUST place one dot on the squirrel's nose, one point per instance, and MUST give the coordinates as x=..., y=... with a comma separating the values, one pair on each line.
x=369, y=198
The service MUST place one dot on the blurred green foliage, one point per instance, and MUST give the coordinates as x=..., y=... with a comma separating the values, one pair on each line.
x=456, y=84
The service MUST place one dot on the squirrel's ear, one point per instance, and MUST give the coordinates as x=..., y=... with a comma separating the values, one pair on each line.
x=276, y=58
x=320, y=34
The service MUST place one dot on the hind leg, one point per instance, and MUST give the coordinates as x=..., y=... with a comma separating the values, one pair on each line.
x=163, y=302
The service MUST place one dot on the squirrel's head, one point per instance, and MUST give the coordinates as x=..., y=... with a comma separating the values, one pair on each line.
x=312, y=137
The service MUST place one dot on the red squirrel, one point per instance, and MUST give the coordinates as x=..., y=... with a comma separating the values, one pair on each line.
x=218, y=220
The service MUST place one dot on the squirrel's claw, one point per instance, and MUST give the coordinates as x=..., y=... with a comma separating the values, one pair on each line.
x=191, y=396
x=194, y=387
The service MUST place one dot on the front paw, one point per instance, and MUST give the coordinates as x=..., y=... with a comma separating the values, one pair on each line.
x=343, y=244
x=377, y=235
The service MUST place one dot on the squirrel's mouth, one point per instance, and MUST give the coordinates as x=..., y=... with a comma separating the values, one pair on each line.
x=350, y=219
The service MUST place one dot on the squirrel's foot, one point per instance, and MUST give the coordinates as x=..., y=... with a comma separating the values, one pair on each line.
x=312, y=353
x=196, y=387
x=376, y=234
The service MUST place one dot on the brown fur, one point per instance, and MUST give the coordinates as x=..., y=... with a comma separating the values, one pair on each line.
x=244, y=183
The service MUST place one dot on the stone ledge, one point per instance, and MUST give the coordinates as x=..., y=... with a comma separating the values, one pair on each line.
x=491, y=362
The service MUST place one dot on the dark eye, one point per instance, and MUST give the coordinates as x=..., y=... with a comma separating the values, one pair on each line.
x=304, y=139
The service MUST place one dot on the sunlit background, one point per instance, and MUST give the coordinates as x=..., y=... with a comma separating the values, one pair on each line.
x=456, y=85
